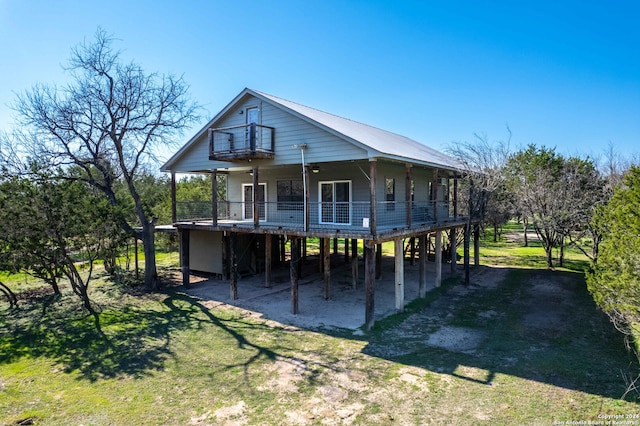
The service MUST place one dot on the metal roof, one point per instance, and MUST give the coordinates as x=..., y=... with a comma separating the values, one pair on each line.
x=378, y=142
x=382, y=141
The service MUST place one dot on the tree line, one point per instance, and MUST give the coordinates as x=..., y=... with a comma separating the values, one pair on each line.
x=587, y=203
x=56, y=228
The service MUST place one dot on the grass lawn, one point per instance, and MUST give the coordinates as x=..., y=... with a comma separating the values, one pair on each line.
x=169, y=359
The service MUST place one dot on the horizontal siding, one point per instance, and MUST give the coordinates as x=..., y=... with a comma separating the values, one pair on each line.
x=322, y=146
x=351, y=170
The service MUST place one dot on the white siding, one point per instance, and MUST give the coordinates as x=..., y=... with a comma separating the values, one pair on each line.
x=290, y=130
x=205, y=251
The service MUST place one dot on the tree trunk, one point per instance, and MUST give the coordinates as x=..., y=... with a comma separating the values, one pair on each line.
x=53, y=282
x=13, y=300
x=548, y=248
x=525, y=223
x=467, y=248
x=148, y=245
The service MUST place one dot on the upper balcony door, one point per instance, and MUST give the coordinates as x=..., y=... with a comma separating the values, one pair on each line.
x=253, y=117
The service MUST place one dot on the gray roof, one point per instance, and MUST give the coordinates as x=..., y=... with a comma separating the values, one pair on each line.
x=378, y=142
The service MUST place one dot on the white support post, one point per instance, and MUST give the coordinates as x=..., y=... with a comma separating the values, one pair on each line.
x=399, y=269
x=438, y=280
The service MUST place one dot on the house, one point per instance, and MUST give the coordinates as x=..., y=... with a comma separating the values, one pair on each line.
x=294, y=172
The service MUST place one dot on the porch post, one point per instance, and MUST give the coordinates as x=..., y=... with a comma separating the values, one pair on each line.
x=214, y=197
x=434, y=195
x=407, y=195
x=354, y=263
x=293, y=268
x=438, y=281
x=282, y=242
x=326, y=267
x=135, y=257
x=454, y=249
x=372, y=197
x=174, y=213
x=346, y=250
x=398, y=245
x=256, y=211
x=306, y=198
x=184, y=256
x=412, y=250
x=369, y=271
x=467, y=243
x=267, y=260
x=422, y=254
x=476, y=245
x=378, y=261
x=233, y=281
x=455, y=196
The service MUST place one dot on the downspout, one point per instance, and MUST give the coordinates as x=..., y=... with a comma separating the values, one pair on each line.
x=304, y=186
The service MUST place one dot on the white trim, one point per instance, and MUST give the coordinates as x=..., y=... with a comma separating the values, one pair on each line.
x=349, y=203
x=245, y=185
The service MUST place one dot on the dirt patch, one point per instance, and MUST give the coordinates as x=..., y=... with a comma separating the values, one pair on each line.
x=456, y=339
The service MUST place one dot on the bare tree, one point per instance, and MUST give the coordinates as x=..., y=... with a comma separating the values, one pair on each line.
x=583, y=190
x=107, y=121
x=534, y=177
x=481, y=162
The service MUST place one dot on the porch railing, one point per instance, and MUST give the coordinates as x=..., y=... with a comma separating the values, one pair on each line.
x=240, y=142
x=354, y=216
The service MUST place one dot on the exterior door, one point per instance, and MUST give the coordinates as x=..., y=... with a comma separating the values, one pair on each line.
x=253, y=117
x=335, y=202
x=247, y=201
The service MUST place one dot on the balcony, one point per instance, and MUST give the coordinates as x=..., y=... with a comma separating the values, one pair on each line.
x=347, y=217
x=245, y=142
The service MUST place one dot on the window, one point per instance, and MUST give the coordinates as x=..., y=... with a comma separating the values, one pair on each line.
x=390, y=185
x=335, y=202
x=253, y=117
x=290, y=195
x=247, y=201
x=413, y=190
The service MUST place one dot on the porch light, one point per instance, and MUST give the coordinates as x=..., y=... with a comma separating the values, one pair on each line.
x=315, y=169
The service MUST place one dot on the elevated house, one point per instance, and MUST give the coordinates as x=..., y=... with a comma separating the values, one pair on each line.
x=294, y=172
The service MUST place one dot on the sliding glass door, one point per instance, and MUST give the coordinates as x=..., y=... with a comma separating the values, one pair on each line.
x=335, y=202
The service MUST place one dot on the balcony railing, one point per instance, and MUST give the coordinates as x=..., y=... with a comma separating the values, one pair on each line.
x=250, y=141
x=352, y=216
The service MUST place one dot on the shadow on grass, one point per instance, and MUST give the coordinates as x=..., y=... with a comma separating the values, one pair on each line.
x=537, y=324
x=123, y=340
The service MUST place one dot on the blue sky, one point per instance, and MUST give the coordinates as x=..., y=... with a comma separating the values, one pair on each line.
x=560, y=74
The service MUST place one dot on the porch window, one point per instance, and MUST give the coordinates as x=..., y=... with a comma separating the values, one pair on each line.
x=335, y=202
x=290, y=194
x=247, y=201
x=391, y=193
